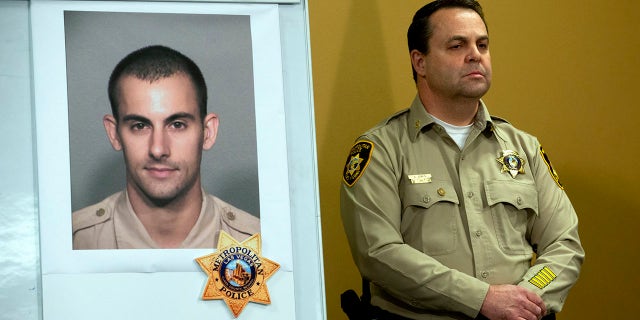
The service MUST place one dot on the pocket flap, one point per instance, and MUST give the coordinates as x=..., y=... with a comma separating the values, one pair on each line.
x=426, y=194
x=518, y=194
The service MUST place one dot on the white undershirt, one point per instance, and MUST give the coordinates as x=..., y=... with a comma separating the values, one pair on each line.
x=459, y=134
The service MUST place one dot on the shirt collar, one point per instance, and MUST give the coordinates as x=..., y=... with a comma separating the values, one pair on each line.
x=131, y=233
x=419, y=118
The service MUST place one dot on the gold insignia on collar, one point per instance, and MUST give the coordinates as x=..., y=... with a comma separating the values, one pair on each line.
x=357, y=162
x=237, y=272
x=511, y=162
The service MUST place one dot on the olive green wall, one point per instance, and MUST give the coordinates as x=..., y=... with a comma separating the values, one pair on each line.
x=565, y=71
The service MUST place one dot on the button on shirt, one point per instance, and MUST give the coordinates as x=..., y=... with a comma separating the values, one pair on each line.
x=432, y=248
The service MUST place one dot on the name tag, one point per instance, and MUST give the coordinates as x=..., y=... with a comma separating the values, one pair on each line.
x=420, y=178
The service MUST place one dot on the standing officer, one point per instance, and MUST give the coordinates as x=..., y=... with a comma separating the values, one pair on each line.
x=452, y=213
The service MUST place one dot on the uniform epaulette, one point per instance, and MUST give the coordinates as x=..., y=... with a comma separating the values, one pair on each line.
x=238, y=219
x=494, y=118
x=386, y=121
x=91, y=216
x=395, y=115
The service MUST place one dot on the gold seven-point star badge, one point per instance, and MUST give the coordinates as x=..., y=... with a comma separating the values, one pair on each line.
x=237, y=272
x=511, y=162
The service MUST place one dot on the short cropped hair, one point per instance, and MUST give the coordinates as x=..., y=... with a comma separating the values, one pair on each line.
x=153, y=63
x=420, y=30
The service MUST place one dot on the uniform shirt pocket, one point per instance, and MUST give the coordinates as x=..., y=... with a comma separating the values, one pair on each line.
x=429, y=217
x=512, y=203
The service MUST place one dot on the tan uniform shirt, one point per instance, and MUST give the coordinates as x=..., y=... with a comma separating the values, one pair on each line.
x=112, y=224
x=432, y=225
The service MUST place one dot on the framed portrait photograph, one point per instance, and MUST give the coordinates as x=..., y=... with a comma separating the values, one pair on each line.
x=76, y=46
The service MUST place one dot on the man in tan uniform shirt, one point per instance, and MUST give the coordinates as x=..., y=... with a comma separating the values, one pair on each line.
x=160, y=123
x=452, y=213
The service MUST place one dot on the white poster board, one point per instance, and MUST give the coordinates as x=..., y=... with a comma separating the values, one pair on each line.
x=167, y=284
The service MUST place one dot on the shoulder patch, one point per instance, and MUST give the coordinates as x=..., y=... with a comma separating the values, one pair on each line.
x=552, y=171
x=357, y=162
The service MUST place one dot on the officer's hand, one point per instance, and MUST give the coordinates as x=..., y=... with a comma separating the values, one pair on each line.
x=507, y=302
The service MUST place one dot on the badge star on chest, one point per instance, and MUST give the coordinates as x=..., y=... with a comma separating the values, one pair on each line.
x=511, y=162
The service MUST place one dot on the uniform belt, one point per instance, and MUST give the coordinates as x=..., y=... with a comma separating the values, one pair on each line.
x=376, y=313
x=381, y=314
x=360, y=308
x=551, y=316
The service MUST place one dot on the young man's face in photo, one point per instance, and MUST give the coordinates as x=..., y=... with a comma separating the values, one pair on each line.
x=162, y=135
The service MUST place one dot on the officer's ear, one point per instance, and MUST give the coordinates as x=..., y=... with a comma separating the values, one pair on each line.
x=418, y=61
x=210, y=130
x=111, y=126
